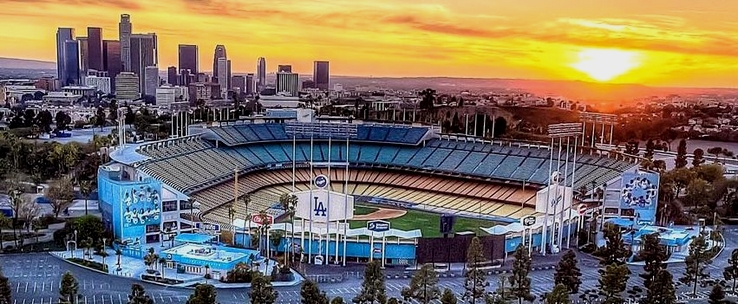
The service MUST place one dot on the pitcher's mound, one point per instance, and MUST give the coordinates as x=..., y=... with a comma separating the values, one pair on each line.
x=381, y=214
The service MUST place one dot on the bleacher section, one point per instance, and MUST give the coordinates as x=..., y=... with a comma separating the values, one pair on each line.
x=196, y=164
x=233, y=135
x=435, y=193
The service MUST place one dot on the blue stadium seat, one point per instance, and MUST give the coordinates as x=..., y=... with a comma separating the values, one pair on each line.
x=387, y=154
x=436, y=158
x=471, y=162
x=397, y=135
x=453, y=160
x=378, y=134
x=368, y=154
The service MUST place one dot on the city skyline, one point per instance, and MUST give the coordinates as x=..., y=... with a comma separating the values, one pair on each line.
x=672, y=43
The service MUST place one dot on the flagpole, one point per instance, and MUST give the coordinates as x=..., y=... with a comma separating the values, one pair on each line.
x=312, y=179
x=328, y=215
x=345, y=201
x=573, y=174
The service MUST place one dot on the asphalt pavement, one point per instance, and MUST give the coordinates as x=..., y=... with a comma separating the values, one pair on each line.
x=35, y=277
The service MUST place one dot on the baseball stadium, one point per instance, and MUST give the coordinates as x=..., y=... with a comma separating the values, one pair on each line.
x=409, y=176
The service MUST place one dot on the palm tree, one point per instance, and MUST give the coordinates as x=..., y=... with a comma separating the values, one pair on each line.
x=231, y=216
x=85, y=187
x=118, y=253
x=263, y=230
x=151, y=258
x=246, y=202
x=288, y=203
x=15, y=202
x=162, y=262
x=90, y=244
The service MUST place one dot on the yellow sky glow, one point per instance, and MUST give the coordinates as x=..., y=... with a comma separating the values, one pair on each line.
x=656, y=42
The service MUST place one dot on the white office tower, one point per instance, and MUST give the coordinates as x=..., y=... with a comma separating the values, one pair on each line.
x=151, y=80
x=126, y=87
x=224, y=70
x=288, y=83
x=100, y=83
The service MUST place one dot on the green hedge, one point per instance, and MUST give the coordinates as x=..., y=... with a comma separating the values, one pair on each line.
x=90, y=264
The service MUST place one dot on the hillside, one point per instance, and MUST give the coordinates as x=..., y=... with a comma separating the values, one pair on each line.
x=14, y=63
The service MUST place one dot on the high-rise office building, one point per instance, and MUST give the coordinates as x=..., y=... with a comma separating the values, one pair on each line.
x=70, y=65
x=111, y=59
x=220, y=52
x=185, y=77
x=100, y=83
x=224, y=70
x=143, y=54
x=249, y=89
x=288, y=83
x=125, y=29
x=62, y=35
x=172, y=77
x=284, y=68
x=238, y=83
x=188, y=58
x=151, y=80
x=84, y=60
x=261, y=69
x=95, y=48
x=308, y=84
x=321, y=75
x=126, y=86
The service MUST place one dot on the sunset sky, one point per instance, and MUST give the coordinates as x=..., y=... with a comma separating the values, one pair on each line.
x=655, y=42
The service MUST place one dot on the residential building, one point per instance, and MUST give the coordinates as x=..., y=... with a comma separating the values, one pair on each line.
x=202, y=77
x=261, y=74
x=125, y=29
x=284, y=68
x=167, y=95
x=151, y=80
x=111, y=60
x=95, y=49
x=172, y=77
x=127, y=86
x=99, y=83
x=143, y=54
x=188, y=58
x=321, y=75
x=80, y=90
x=46, y=83
x=220, y=52
x=204, y=90
x=61, y=98
x=288, y=83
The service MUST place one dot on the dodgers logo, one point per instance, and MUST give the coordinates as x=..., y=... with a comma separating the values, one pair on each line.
x=319, y=208
x=321, y=181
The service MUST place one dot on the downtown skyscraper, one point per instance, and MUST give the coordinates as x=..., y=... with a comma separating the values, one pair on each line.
x=125, y=29
x=321, y=75
x=144, y=54
x=188, y=58
x=220, y=52
x=95, y=49
x=111, y=59
x=261, y=68
x=67, y=57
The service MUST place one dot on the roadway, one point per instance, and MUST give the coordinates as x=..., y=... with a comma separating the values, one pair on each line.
x=35, y=277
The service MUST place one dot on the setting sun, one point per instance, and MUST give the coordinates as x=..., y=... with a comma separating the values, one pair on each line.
x=605, y=64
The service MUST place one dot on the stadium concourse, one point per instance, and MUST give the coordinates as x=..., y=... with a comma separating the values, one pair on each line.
x=406, y=167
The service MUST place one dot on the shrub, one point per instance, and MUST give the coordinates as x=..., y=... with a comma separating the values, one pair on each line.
x=90, y=264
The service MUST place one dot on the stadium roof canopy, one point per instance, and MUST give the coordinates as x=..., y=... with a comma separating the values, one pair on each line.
x=128, y=155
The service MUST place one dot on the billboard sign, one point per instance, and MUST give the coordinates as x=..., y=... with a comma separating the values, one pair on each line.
x=565, y=129
x=260, y=219
x=321, y=205
x=378, y=226
x=208, y=226
x=640, y=193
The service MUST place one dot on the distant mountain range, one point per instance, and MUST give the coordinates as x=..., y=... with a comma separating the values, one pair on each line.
x=14, y=63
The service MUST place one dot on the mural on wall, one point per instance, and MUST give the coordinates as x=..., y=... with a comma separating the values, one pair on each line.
x=640, y=193
x=141, y=206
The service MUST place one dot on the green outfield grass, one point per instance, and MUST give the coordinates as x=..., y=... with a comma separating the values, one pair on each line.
x=427, y=222
x=364, y=210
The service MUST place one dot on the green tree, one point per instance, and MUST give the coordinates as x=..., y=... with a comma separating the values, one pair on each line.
x=698, y=195
x=85, y=188
x=698, y=157
x=68, y=290
x=89, y=226
x=204, y=294
x=392, y=301
x=474, y=281
x=568, y=273
x=337, y=300
x=654, y=256
x=731, y=271
x=519, y=280
x=662, y=289
x=695, y=263
x=559, y=295
x=100, y=117
x=60, y=194
x=4, y=223
x=289, y=204
x=5, y=290
x=650, y=147
x=448, y=297
x=423, y=286
x=311, y=294
x=373, y=288
x=262, y=290
x=138, y=295
x=428, y=98
x=717, y=295
x=613, y=280
x=681, y=157
x=614, y=250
